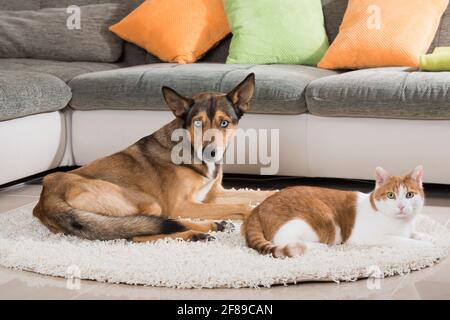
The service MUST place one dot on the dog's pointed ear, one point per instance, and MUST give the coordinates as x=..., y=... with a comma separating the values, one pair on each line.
x=176, y=102
x=241, y=95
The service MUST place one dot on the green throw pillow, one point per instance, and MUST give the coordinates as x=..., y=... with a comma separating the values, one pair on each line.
x=276, y=31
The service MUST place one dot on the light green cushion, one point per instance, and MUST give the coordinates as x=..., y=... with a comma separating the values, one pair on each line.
x=276, y=31
x=435, y=62
x=439, y=60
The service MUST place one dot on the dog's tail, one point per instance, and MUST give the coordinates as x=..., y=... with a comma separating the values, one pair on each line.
x=93, y=226
x=255, y=238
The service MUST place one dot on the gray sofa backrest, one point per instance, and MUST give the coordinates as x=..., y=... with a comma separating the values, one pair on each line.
x=19, y=5
x=132, y=55
x=442, y=38
x=333, y=11
x=39, y=4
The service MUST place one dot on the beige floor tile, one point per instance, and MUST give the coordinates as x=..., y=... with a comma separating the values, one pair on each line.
x=406, y=293
x=11, y=202
x=26, y=285
x=441, y=273
x=433, y=290
x=16, y=289
x=400, y=287
x=109, y=291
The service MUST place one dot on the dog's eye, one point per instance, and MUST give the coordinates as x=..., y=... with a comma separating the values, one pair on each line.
x=390, y=195
x=410, y=195
x=224, y=124
x=198, y=123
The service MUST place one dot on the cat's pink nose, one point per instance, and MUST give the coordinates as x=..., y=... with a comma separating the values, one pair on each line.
x=401, y=207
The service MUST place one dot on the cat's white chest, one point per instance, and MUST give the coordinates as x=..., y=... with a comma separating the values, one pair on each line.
x=371, y=226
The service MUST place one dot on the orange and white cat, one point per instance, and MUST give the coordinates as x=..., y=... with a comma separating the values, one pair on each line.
x=290, y=221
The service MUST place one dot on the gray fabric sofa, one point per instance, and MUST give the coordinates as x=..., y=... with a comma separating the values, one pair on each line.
x=332, y=124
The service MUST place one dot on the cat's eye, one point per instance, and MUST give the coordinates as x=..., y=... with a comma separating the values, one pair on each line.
x=198, y=123
x=390, y=195
x=410, y=195
x=224, y=124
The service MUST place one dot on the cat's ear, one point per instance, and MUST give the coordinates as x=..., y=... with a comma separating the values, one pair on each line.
x=381, y=176
x=417, y=175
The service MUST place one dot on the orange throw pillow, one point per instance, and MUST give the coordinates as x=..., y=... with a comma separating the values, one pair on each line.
x=175, y=30
x=381, y=33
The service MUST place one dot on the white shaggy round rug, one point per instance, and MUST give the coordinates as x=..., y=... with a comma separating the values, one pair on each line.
x=25, y=244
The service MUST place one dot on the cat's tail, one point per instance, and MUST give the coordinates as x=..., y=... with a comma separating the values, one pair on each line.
x=254, y=235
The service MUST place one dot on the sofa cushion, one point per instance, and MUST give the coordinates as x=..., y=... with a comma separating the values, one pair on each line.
x=260, y=38
x=50, y=34
x=175, y=31
x=382, y=93
x=405, y=32
x=279, y=88
x=66, y=71
x=65, y=3
x=19, y=5
x=334, y=11
x=26, y=93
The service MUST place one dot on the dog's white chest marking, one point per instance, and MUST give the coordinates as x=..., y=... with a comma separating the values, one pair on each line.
x=204, y=190
x=209, y=182
x=212, y=167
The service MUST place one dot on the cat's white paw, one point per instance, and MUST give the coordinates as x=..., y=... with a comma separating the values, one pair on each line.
x=291, y=250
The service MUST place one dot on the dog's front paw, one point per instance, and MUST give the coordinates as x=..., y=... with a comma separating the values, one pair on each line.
x=224, y=226
x=202, y=237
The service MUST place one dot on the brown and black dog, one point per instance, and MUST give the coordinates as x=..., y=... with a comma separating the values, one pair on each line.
x=140, y=193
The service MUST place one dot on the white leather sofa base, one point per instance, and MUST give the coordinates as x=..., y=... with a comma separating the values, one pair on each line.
x=31, y=145
x=309, y=146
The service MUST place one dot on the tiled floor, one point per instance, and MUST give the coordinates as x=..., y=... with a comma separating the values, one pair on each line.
x=432, y=283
